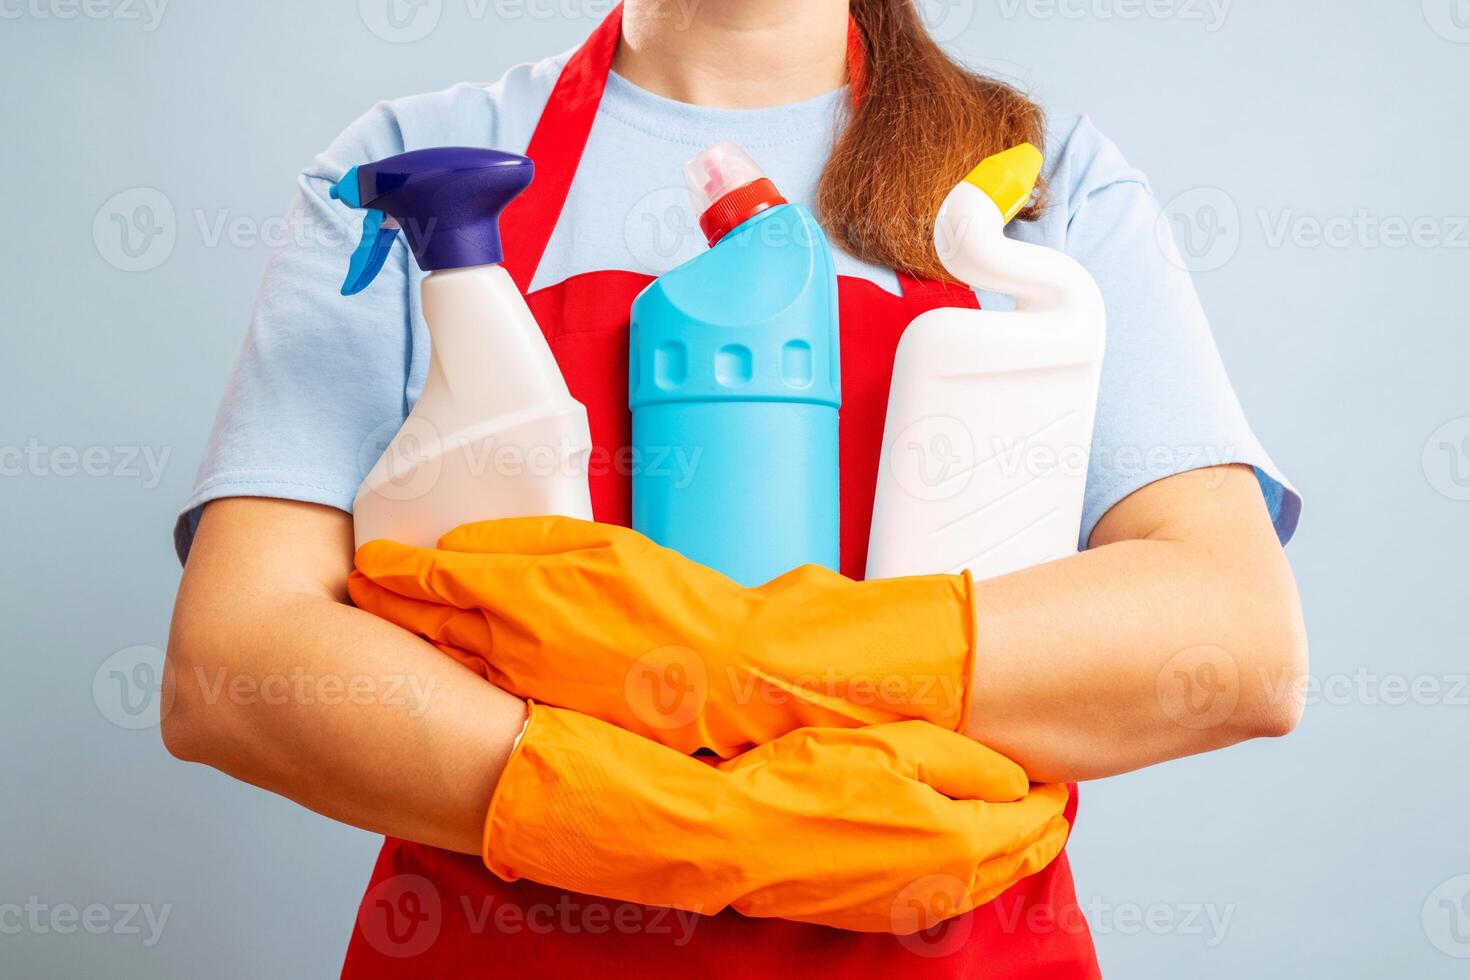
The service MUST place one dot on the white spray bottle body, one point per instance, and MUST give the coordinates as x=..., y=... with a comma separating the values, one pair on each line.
x=495, y=433
x=991, y=413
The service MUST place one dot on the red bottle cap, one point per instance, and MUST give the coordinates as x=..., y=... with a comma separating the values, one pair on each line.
x=727, y=189
x=737, y=207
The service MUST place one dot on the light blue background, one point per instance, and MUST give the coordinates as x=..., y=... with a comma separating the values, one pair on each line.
x=1335, y=853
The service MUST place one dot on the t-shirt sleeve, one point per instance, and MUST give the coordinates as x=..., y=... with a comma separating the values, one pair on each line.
x=1166, y=405
x=321, y=376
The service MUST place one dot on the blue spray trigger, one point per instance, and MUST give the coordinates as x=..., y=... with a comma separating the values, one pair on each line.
x=378, y=234
x=348, y=190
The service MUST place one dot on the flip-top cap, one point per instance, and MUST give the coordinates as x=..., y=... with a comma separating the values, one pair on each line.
x=727, y=189
x=1009, y=178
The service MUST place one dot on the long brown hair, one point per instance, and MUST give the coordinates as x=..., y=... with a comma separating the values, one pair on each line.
x=920, y=124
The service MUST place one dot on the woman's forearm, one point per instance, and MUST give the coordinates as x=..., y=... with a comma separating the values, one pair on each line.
x=278, y=682
x=1180, y=632
x=1165, y=640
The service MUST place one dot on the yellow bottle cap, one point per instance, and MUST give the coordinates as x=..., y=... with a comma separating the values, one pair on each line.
x=1009, y=178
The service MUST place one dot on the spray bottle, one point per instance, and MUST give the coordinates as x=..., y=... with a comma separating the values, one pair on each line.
x=733, y=369
x=495, y=432
x=990, y=416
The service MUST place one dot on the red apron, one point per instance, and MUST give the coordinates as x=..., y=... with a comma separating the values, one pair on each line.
x=432, y=913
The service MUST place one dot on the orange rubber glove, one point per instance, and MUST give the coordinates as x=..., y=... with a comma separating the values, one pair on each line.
x=601, y=620
x=893, y=828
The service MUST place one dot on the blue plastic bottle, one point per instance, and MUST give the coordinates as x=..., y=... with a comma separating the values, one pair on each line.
x=734, y=384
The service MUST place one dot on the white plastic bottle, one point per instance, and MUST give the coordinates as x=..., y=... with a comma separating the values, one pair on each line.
x=495, y=432
x=990, y=416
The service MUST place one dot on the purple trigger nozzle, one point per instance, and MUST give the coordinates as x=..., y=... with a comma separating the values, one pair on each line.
x=447, y=202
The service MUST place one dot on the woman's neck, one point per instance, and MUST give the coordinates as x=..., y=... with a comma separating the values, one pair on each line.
x=735, y=54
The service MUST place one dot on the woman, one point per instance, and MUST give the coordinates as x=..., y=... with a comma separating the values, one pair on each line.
x=853, y=109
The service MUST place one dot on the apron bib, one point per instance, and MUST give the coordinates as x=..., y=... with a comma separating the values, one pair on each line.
x=433, y=913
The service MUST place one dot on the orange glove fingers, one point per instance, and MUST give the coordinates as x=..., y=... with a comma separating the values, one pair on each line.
x=832, y=827
x=590, y=617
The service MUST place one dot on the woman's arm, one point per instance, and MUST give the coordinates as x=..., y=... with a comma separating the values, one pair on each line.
x=281, y=683
x=1180, y=632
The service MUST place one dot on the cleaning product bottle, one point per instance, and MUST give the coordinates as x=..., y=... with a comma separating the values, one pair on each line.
x=734, y=383
x=991, y=413
x=495, y=432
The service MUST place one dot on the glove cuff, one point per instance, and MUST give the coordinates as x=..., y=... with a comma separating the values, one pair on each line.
x=967, y=668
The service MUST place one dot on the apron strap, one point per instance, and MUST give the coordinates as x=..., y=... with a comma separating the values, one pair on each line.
x=955, y=294
x=556, y=148
x=561, y=136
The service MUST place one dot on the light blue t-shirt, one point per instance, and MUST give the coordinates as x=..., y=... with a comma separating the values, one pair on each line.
x=323, y=381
